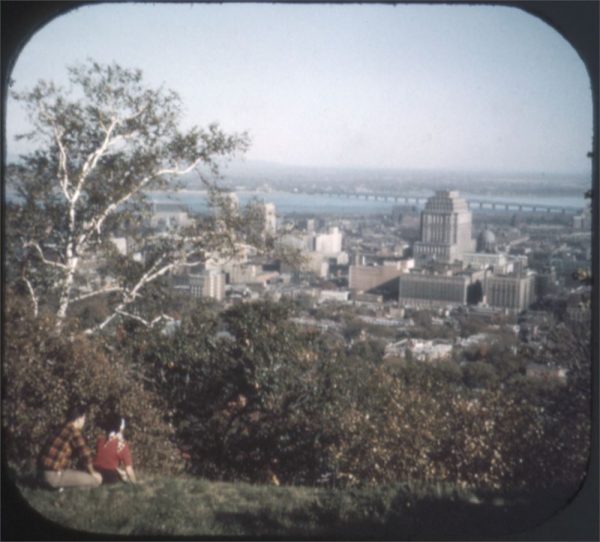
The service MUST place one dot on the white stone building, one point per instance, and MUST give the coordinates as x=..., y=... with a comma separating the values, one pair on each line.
x=169, y=215
x=419, y=350
x=334, y=295
x=329, y=243
x=514, y=292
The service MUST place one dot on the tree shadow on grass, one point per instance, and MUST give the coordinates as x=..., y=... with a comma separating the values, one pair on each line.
x=426, y=518
x=460, y=519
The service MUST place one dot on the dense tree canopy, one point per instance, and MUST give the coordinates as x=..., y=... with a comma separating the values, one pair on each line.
x=264, y=397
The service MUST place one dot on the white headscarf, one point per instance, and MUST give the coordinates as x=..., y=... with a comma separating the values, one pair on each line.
x=118, y=435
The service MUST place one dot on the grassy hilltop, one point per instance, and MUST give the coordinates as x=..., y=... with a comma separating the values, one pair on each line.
x=190, y=506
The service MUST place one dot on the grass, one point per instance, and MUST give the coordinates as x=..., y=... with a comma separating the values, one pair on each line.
x=187, y=506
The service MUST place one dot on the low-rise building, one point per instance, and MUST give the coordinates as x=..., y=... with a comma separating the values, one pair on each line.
x=367, y=299
x=513, y=292
x=334, y=295
x=583, y=221
x=485, y=260
x=385, y=322
x=169, y=215
x=329, y=243
x=363, y=278
x=433, y=290
x=322, y=324
x=207, y=283
x=419, y=350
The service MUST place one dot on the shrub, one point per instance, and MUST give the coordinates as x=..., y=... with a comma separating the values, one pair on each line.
x=420, y=426
x=274, y=399
x=45, y=373
x=250, y=405
x=479, y=374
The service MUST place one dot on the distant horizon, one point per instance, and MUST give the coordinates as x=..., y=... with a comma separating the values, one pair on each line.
x=423, y=169
x=239, y=163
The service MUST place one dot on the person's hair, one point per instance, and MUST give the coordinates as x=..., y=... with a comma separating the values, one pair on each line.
x=112, y=422
x=76, y=411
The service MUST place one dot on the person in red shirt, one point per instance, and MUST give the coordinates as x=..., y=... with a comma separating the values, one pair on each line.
x=113, y=457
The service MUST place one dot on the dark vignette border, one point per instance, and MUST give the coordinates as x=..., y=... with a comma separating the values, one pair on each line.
x=577, y=21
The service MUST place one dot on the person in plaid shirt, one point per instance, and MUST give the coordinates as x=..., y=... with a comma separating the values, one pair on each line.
x=56, y=460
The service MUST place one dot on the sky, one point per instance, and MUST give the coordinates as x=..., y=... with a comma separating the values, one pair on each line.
x=373, y=86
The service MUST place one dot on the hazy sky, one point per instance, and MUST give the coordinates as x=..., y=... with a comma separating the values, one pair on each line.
x=442, y=87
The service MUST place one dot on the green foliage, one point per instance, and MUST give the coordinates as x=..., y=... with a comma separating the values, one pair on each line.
x=369, y=350
x=247, y=405
x=45, y=373
x=268, y=401
x=479, y=374
x=474, y=293
x=353, y=328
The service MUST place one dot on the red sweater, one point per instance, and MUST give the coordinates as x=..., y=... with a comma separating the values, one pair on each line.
x=108, y=455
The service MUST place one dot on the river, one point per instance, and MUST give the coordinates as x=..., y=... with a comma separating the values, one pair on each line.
x=287, y=203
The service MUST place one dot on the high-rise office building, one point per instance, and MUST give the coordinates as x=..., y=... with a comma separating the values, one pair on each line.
x=445, y=228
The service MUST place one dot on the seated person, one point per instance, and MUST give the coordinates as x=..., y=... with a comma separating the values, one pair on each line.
x=113, y=457
x=56, y=459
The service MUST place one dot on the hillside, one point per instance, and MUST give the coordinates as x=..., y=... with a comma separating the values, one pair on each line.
x=188, y=506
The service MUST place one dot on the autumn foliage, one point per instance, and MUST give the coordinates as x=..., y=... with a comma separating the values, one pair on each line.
x=270, y=401
x=247, y=395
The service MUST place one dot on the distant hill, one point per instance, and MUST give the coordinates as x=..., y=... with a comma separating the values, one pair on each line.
x=481, y=182
x=253, y=173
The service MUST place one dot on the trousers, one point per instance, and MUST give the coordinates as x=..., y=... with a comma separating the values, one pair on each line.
x=69, y=478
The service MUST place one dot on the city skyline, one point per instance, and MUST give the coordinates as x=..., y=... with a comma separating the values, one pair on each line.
x=423, y=87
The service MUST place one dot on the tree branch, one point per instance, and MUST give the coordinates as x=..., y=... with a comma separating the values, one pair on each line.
x=97, y=292
x=129, y=297
x=97, y=223
x=34, y=298
x=64, y=178
x=92, y=159
x=151, y=323
x=152, y=274
x=35, y=244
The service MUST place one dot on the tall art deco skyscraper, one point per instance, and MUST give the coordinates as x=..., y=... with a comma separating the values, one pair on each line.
x=445, y=228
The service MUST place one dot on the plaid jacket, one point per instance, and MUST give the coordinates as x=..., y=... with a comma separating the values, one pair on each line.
x=67, y=442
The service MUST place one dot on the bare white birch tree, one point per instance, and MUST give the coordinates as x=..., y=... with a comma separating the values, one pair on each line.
x=101, y=145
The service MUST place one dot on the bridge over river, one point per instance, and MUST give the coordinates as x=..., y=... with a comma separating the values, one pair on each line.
x=474, y=203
